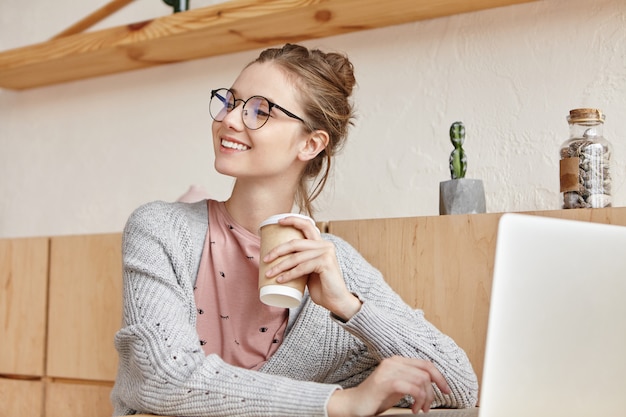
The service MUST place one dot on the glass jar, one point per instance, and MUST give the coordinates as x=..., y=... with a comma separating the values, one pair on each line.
x=585, y=165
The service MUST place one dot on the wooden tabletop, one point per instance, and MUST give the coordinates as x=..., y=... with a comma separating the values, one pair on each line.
x=403, y=412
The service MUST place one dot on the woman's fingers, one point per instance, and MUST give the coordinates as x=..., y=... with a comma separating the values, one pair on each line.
x=307, y=228
x=315, y=258
x=436, y=377
x=411, y=376
x=299, y=257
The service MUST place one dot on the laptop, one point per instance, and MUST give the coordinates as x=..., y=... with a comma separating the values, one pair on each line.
x=556, y=339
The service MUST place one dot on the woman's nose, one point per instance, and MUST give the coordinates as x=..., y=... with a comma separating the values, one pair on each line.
x=234, y=118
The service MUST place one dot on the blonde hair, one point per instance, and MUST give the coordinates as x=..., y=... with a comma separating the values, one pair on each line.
x=325, y=81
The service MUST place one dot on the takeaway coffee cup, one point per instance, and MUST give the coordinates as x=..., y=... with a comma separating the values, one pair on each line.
x=285, y=295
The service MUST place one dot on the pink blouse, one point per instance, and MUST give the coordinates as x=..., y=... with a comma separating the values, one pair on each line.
x=231, y=321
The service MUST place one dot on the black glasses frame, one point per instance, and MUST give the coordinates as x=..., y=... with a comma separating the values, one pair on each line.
x=271, y=105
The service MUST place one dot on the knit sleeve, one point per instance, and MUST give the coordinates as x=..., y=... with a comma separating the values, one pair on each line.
x=162, y=369
x=388, y=327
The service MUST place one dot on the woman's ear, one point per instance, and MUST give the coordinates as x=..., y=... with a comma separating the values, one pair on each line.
x=315, y=143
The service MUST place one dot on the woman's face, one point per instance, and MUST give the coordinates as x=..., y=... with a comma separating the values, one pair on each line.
x=270, y=152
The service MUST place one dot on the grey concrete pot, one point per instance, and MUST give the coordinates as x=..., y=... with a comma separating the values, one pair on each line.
x=461, y=196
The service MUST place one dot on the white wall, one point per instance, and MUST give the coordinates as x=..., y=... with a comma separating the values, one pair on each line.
x=79, y=157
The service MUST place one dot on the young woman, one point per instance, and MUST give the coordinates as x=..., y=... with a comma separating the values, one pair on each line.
x=196, y=340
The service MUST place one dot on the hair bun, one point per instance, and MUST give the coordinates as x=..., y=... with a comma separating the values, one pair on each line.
x=344, y=69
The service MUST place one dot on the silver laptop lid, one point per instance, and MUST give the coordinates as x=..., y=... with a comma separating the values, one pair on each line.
x=556, y=340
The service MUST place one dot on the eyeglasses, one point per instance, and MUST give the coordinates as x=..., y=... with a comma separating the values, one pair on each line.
x=254, y=113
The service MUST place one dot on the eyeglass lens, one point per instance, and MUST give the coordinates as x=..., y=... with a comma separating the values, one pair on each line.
x=255, y=111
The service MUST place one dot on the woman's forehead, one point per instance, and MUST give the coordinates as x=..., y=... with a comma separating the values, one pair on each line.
x=268, y=80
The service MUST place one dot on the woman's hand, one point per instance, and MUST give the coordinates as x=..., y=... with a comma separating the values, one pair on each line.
x=315, y=257
x=394, y=378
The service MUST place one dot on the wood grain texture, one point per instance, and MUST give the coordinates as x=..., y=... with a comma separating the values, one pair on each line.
x=77, y=398
x=444, y=264
x=23, y=303
x=223, y=28
x=85, y=306
x=21, y=398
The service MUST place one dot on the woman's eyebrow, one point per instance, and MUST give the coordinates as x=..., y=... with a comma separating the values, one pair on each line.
x=236, y=94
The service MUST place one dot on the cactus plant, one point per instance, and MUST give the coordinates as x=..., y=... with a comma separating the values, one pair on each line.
x=458, y=159
x=460, y=195
x=178, y=5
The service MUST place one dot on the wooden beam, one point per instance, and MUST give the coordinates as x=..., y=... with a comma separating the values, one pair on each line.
x=232, y=26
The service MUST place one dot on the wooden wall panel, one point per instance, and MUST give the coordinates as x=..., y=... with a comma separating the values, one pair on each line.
x=85, y=306
x=444, y=264
x=23, y=301
x=441, y=265
x=78, y=399
x=21, y=398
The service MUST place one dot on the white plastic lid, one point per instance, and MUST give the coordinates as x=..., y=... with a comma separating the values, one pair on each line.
x=280, y=296
x=275, y=218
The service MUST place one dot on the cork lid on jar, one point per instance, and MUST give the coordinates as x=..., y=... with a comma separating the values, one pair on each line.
x=585, y=115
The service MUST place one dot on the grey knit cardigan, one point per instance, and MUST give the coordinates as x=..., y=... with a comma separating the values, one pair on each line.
x=163, y=370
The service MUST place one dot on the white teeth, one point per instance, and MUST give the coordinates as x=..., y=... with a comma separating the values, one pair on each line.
x=233, y=145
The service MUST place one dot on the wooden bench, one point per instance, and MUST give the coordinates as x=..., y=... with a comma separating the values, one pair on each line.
x=60, y=300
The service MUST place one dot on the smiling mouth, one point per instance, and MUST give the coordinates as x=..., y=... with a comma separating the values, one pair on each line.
x=234, y=145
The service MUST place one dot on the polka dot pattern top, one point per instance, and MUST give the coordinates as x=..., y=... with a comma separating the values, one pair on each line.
x=231, y=321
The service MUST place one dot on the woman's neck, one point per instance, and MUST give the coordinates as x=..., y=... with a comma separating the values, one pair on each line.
x=250, y=204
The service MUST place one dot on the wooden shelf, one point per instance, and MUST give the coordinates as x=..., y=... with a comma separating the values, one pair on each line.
x=233, y=26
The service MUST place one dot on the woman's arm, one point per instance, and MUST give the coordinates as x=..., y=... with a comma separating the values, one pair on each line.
x=341, y=281
x=389, y=327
